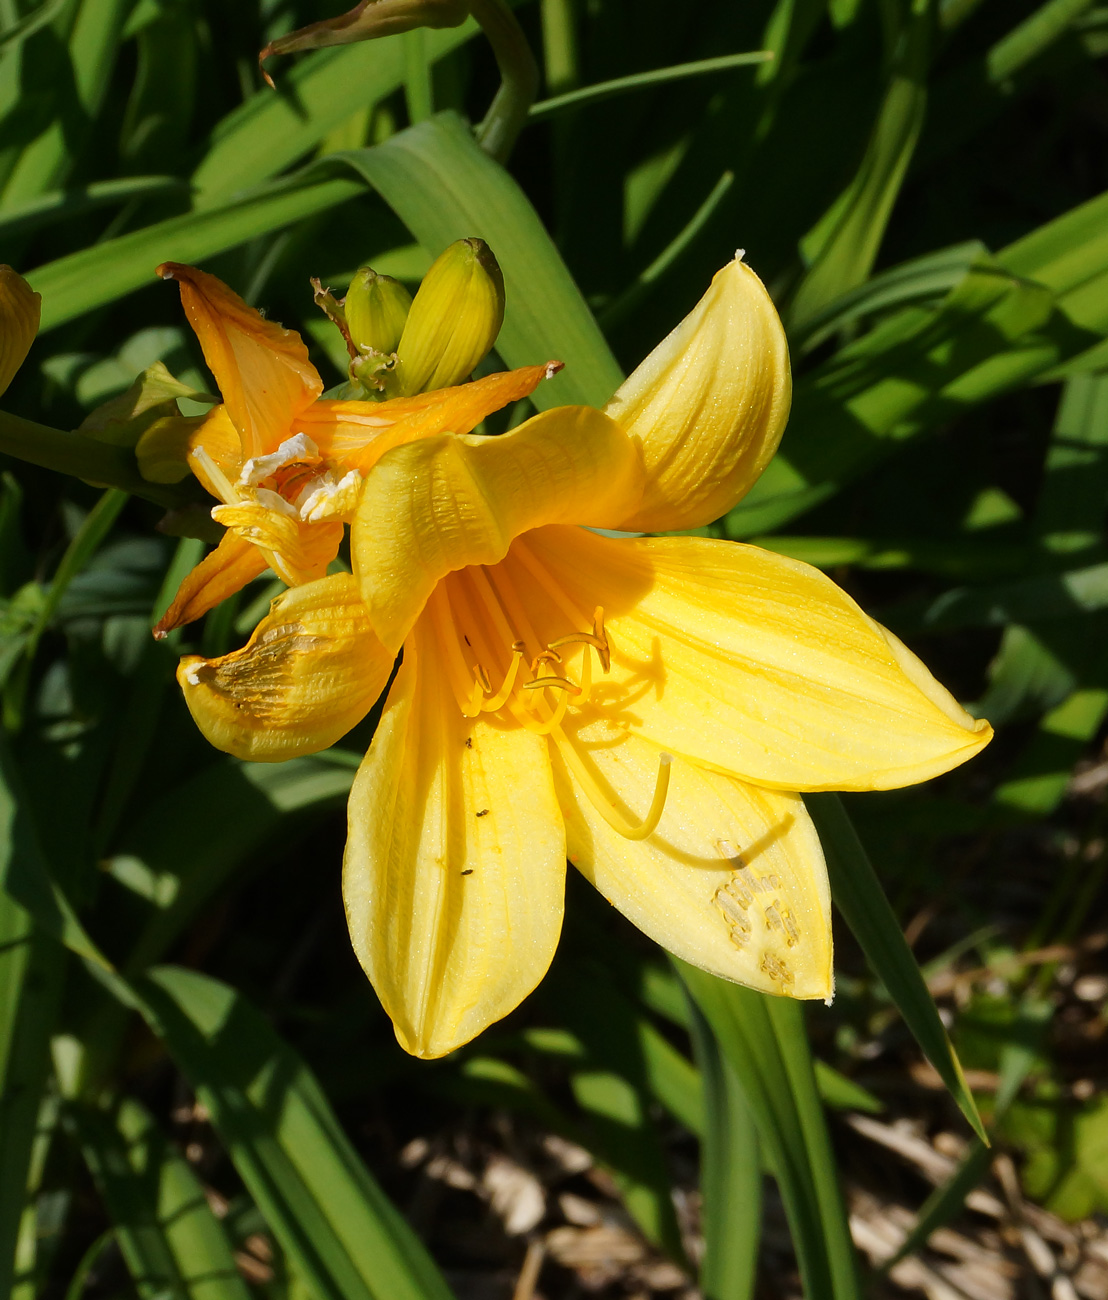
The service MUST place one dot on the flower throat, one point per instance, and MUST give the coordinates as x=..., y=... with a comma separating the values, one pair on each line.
x=495, y=662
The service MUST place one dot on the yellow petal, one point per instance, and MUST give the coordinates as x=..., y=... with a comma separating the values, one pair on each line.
x=455, y=864
x=310, y=672
x=440, y=504
x=19, y=317
x=757, y=665
x=227, y=569
x=262, y=369
x=733, y=880
x=163, y=450
x=709, y=404
x=357, y=434
x=297, y=552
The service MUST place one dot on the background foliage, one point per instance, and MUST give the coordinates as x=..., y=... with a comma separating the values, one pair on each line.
x=201, y=1097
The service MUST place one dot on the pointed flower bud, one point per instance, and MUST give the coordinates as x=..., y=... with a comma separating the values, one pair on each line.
x=454, y=320
x=376, y=309
x=19, y=317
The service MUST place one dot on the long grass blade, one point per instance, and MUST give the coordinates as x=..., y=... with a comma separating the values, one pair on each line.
x=730, y=1175
x=331, y=1218
x=862, y=902
x=171, y=1240
x=764, y=1041
x=82, y=281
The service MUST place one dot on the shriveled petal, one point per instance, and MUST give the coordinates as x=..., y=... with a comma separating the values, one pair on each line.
x=163, y=450
x=709, y=404
x=733, y=880
x=262, y=369
x=227, y=569
x=758, y=665
x=19, y=318
x=455, y=863
x=312, y=670
x=440, y=504
x=358, y=434
x=296, y=551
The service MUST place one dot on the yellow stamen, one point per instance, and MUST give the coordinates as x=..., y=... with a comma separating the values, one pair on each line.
x=554, y=722
x=508, y=685
x=604, y=805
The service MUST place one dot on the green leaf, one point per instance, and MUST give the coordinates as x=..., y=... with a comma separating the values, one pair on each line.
x=173, y=1244
x=59, y=205
x=25, y=874
x=730, y=1175
x=765, y=1042
x=274, y=128
x=945, y=1202
x=922, y=279
x=1012, y=320
x=444, y=187
x=844, y=245
x=1031, y=37
x=626, y=1060
x=602, y=90
x=340, y=1231
x=170, y=857
x=31, y=967
x=841, y=1093
x=1038, y=780
x=862, y=902
x=82, y=281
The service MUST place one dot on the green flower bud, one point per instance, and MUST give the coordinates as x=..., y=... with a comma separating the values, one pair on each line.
x=376, y=308
x=454, y=320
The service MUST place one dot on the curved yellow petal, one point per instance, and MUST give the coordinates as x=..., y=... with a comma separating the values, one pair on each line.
x=311, y=671
x=163, y=450
x=221, y=573
x=262, y=369
x=440, y=504
x=757, y=665
x=708, y=405
x=455, y=863
x=733, y=880
x=19, y=318
x=296, y=551
x=357, y=434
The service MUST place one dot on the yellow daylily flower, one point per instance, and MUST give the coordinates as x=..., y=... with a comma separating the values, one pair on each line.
x=647, y=707
x=20, y=309
x=285, y=464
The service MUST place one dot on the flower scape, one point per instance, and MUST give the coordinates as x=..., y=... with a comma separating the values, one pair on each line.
x=647, y=707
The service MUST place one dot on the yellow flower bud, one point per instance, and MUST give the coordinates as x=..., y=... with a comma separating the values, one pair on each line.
x=376, y=308
x=454, y=320
x=19, y=317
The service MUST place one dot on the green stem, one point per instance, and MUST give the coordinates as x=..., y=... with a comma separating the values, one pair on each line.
x=83, y=458
x=519, y=75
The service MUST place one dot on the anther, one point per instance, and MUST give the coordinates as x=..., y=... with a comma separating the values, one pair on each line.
x=547, y=656
x=597, y=638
